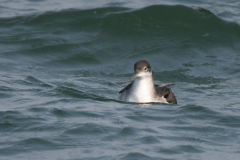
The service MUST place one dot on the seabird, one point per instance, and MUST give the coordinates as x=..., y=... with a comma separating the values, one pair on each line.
x=143, y=90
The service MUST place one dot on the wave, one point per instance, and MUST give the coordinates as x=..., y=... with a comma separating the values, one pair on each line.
x=173, y=35
x=156, y=20
x=95, y=36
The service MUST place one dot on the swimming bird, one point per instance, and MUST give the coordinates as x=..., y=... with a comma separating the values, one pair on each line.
x=143, y=90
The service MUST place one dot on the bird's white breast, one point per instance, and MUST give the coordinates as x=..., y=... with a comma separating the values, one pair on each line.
x=142, y=91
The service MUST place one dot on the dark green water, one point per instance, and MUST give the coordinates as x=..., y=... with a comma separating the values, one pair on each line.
x=61, y=70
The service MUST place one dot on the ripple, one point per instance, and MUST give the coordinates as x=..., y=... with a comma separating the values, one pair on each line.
x=6, y=92
x=194, y=108
x=30, y=80
x=181, y=149
x=135, y=155
x=229, y=121
x=86, y=129
x=128, y=131
x=73, y=113
x=148, y=118
x=149, y=140
x=189, y=149
x=15, y=121
x=73, y=92
x=36, y=141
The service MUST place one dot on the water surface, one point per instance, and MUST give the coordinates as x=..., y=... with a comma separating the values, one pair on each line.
x=62, y=65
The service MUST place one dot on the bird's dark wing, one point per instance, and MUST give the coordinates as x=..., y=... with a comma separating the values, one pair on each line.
x=127, y=87
x=166, y=93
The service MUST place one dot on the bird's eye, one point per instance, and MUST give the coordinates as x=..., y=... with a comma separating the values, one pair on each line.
x=145, y=69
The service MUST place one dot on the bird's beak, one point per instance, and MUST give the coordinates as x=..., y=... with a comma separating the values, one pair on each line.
x=134, y=76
